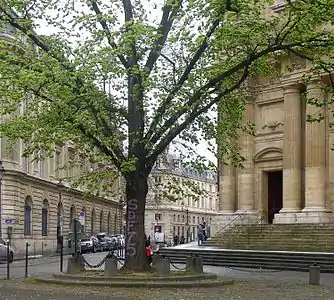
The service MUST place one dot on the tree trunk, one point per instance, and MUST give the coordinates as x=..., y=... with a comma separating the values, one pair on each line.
x=136, y=192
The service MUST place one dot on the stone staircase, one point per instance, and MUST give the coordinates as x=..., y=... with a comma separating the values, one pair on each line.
x=276, y=237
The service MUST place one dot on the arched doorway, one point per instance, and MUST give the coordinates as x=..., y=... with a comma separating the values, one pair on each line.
x=60, y=223
x=45, y=217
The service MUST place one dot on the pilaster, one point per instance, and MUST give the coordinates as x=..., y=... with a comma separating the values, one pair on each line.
x=246, y=174
x=227, y=183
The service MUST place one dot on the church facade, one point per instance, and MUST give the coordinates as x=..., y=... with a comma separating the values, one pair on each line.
x=288, y=174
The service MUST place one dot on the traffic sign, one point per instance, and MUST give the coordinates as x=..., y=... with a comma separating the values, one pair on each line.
x=11, y=221
x=82, y=218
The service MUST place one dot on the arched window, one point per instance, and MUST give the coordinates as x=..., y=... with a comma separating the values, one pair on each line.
x=109, y=221
x=72, y=214
x=178, y=218
x=83, y=226
x=45, y=214
x=92, y=226
x=182, y=218
x=101, y=221
x=194, y=219
x=115, y=224
x=28, y=216
x=60, y=213
x=174, y=219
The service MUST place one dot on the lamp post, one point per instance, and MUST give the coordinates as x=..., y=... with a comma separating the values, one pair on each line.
x=2, y=170
x=187, y=220
x=122, y=204
x=60, y=186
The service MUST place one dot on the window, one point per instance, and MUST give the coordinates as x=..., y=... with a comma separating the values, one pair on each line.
x=2, y=242
x=45, y=212
x=72, y=213
x=157, y=217
x=194, y=219
x=182, y=218
x=83, y=227
x=27, y=216
x=174, y=218
x=57, y=158
x=42, y=164
x=109, y=220
x=101, y=221
x=92, y=226
x=178, y=218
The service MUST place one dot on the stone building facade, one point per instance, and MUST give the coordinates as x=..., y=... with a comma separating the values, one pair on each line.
x=170, y=217
x=288, y=173
x=37, y=209
x=34, y=207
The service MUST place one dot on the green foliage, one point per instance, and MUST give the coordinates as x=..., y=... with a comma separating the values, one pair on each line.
x=148, y=73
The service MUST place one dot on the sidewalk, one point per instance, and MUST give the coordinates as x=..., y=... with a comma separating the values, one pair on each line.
x=192, y=245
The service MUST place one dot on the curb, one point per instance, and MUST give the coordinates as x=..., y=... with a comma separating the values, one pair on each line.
x=37, y=256
x=156, y=279
x=134, y=284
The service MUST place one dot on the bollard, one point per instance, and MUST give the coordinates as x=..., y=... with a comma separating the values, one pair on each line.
x=155, y=259
x=314, y=275
x=75, y=265
x=198, y=265
x=27, y=260
x=190, y=263
x=163, y=267
x=110, y=267
x=8, y=260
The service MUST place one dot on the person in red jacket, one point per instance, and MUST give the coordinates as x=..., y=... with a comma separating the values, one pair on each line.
x=148, y=252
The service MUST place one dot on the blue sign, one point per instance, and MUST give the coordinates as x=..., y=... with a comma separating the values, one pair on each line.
x=11, y=221
x=82, y=214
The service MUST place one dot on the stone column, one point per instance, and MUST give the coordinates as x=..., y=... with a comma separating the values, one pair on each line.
x=246, y=174
x=315, y=154
x=226, y=189
x=292, y=150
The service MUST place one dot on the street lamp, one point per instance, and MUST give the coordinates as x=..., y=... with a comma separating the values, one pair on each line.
x=60, y=220
x=187, y=219
x=2, y=170
x=122, y=204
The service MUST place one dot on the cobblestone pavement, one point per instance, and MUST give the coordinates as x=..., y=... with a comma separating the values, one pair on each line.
x=49, y=265
x=250, y=290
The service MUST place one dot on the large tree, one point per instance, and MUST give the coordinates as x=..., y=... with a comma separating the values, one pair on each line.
x=127, y=78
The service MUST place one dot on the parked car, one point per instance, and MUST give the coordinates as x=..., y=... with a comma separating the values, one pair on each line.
x=90, y=244
x=3, y=251
x=112, y=243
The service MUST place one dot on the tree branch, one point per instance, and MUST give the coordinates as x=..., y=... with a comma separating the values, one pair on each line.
x=166, y=102
x=195, y=99
x=166, y=23
x=174, y=132
x=108, y=33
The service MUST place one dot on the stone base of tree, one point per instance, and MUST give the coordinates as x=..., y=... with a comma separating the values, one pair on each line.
x=176, y=279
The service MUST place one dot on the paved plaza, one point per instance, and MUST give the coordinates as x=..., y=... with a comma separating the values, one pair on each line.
x=249, y=284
